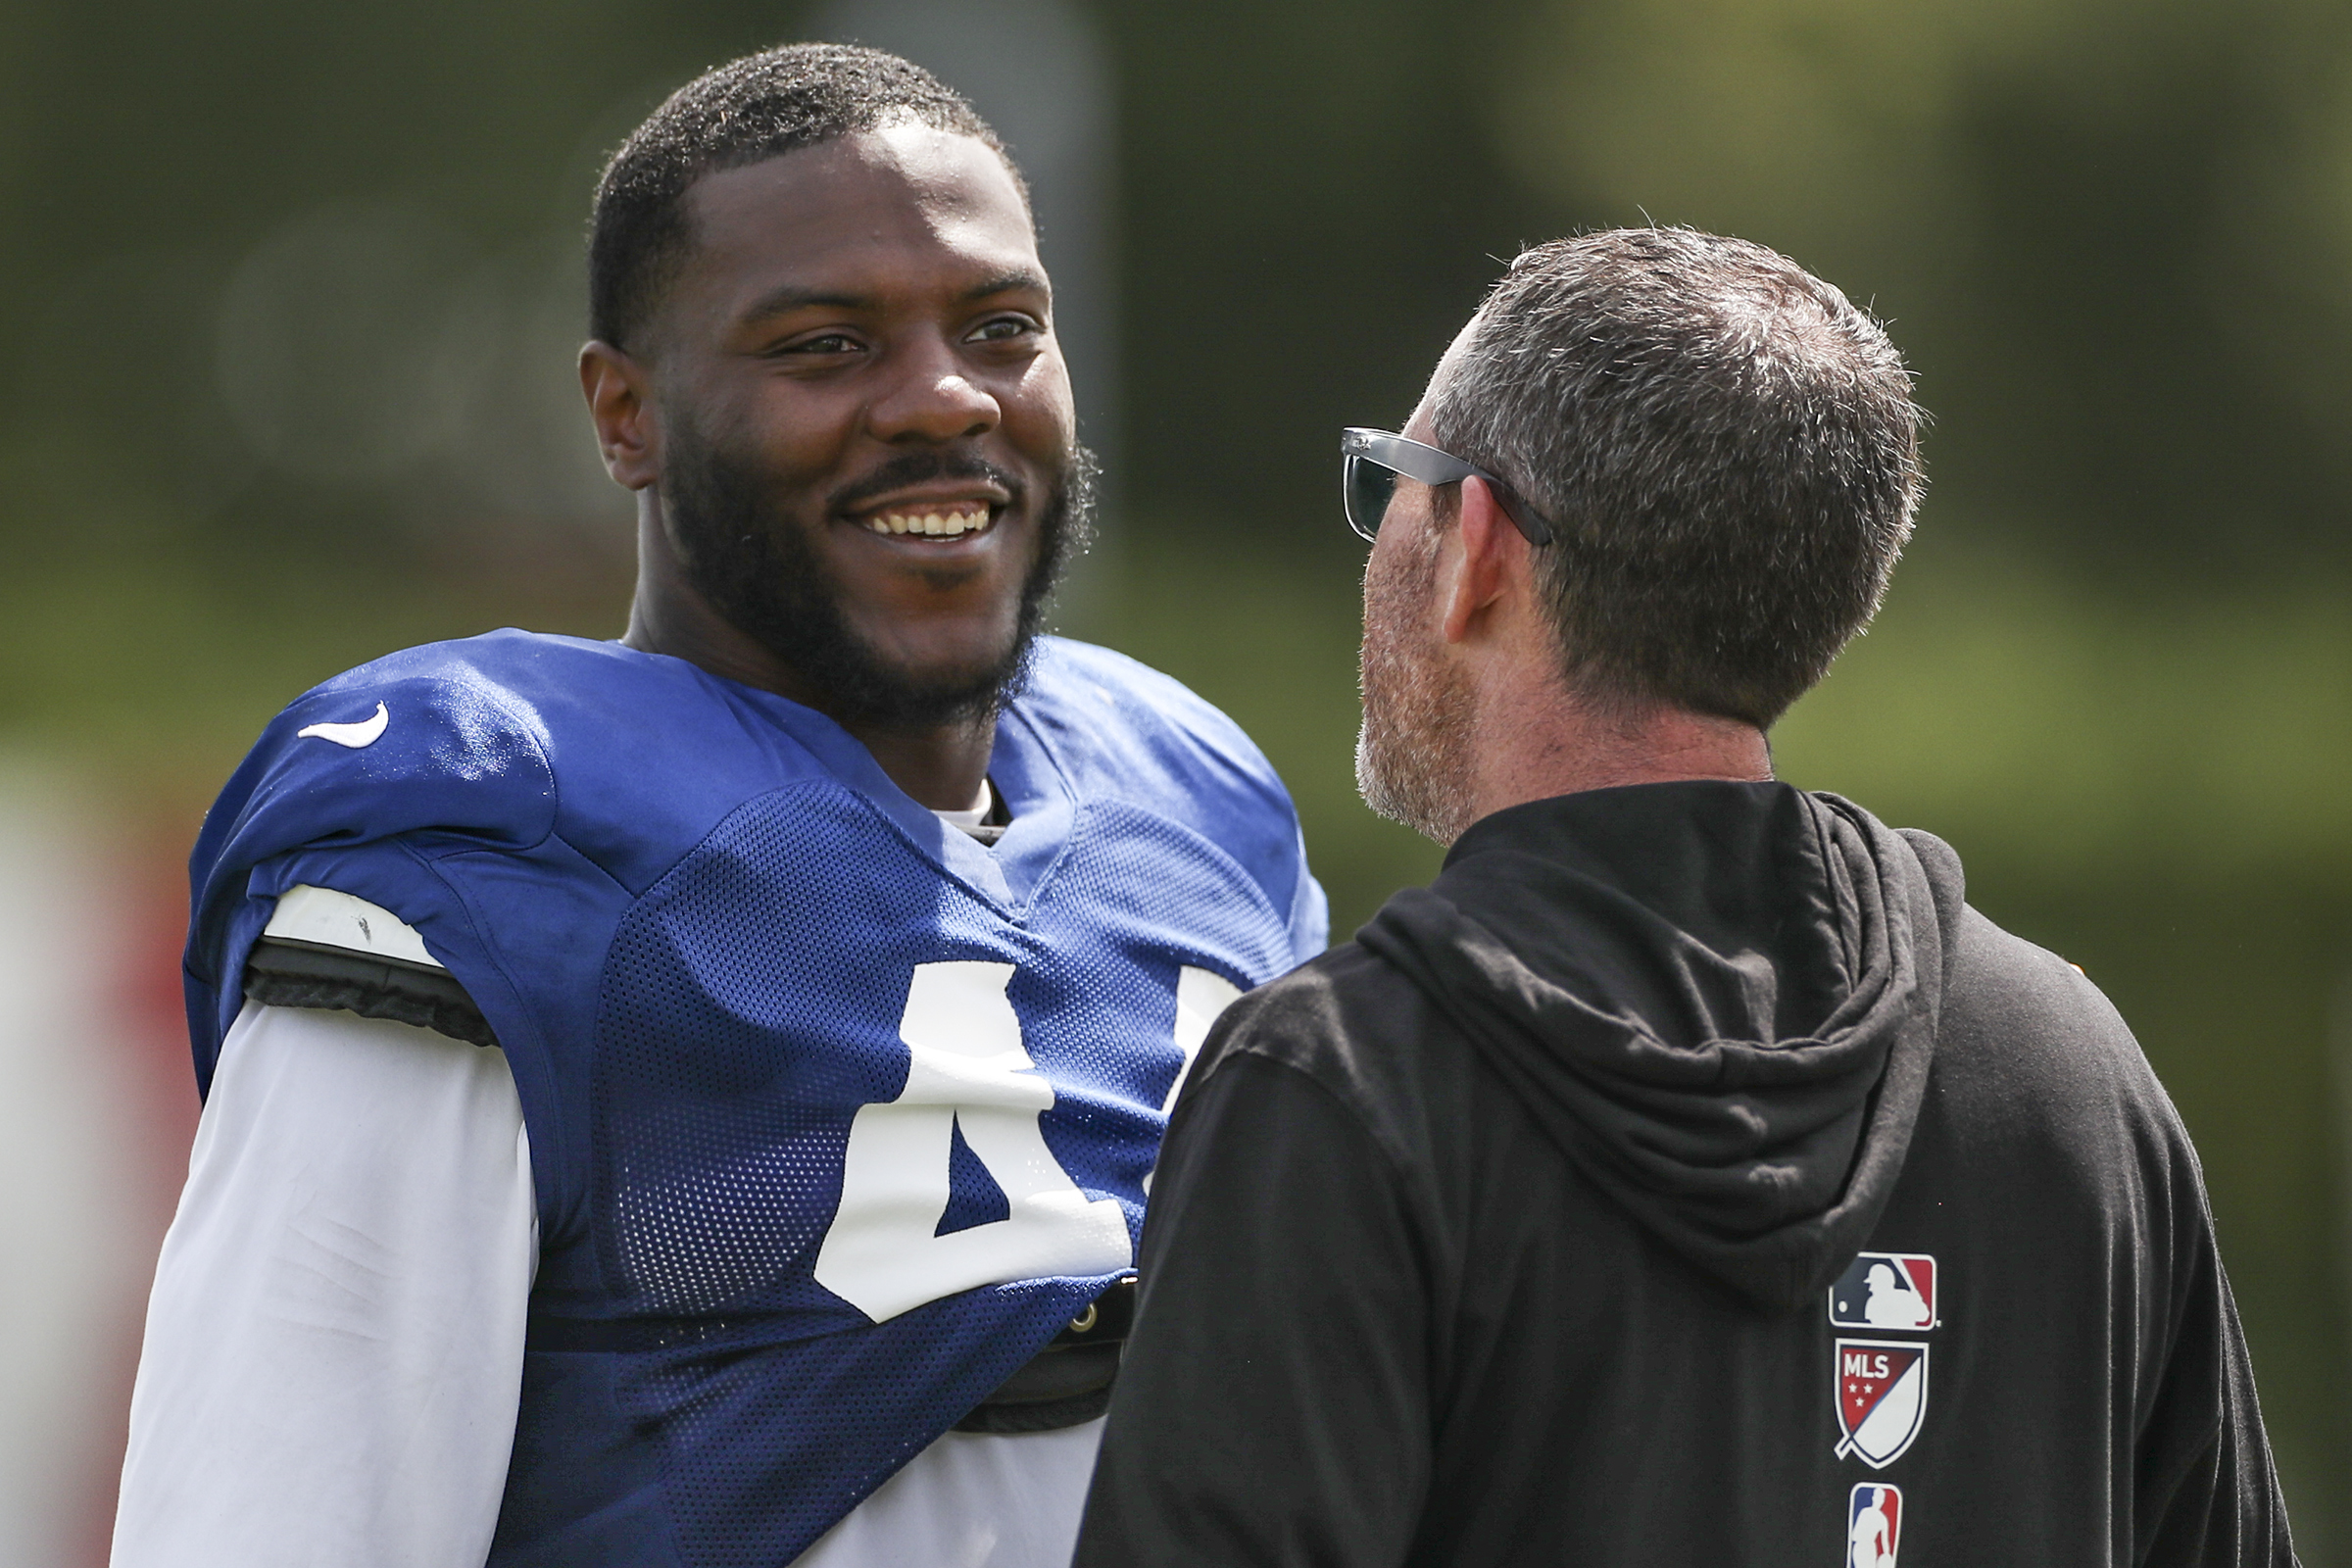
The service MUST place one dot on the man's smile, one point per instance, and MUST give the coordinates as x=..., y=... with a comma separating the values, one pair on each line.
x=958, y=512
x=952, y=520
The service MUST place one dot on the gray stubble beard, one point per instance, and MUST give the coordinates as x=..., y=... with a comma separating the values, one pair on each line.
x=1413, y=749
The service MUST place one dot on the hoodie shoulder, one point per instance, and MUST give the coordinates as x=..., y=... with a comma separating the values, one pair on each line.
x=1362, y=1031
x=2037, y=1025
x=2026, y=984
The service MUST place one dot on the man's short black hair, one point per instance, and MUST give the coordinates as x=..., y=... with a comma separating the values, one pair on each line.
x=740, y=113
x=1725, y=447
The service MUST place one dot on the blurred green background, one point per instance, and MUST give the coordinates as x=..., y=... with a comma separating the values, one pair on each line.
x=291, y=292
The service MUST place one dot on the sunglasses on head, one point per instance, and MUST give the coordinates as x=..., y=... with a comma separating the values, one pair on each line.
x=1371, y=461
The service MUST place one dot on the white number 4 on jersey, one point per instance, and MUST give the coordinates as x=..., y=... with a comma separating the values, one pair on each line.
x=969, y=1068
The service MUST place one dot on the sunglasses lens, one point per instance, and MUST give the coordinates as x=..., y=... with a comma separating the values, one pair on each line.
x=1367, y=487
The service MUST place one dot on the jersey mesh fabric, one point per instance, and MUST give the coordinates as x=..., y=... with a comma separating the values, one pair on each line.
x=723, y=1163
x=732, y=1058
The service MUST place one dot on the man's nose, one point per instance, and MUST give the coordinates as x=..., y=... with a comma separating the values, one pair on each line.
x=932, y=398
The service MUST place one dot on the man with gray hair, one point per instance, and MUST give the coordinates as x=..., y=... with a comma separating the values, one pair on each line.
x=1689, y=1175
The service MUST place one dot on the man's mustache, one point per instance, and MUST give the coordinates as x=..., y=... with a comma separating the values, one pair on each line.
x=921, y=468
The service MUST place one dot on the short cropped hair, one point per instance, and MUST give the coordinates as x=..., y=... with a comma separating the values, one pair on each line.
x=744, y=112
x=1724, y=446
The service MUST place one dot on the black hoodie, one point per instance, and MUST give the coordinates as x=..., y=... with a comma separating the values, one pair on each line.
x=1688, y=1177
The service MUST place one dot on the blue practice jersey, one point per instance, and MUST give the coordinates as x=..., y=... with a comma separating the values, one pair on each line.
x=837, y=1116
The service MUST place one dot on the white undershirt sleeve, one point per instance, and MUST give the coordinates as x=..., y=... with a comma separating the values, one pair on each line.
x=333, y=1359
x=333, y=1356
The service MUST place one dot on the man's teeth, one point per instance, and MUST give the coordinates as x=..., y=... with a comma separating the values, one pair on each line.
x=945, y=524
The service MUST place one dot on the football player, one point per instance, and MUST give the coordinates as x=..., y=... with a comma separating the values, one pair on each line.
x=689, y=1100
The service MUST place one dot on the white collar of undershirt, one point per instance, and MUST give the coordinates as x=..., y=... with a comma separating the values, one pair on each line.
x=977, y=814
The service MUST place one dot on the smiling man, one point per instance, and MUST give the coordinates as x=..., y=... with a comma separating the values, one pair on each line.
x=689, y=1100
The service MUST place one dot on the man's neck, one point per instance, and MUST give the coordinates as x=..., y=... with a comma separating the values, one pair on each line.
x=940, y=766
x=943, y=768
x=1535, y=744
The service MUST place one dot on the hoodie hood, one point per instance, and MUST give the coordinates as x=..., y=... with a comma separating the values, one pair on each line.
x=1719, y=999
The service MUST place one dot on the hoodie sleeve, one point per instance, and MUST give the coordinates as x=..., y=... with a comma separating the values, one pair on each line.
x=2205, y=1493
x=1273, y=1402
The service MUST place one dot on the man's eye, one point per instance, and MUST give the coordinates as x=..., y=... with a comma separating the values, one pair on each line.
x=1003, y=329
x=829, y=343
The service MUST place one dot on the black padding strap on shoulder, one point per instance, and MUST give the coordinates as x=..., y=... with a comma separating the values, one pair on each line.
x=304, y=974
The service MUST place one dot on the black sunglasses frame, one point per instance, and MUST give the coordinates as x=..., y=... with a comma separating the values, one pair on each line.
x=1416, y=459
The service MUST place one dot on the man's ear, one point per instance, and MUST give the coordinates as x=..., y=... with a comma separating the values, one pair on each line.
x=1492, y=557
x=628, y=431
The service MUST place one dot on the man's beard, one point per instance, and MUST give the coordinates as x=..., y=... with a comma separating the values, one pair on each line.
x=756, y=566
x=1412, y=752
